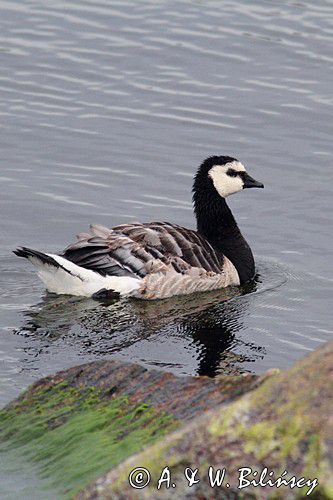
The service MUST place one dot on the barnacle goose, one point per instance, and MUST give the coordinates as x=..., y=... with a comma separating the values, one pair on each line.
x=156, y=260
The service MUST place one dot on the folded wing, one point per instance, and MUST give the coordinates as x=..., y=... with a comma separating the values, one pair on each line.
x=139, y=249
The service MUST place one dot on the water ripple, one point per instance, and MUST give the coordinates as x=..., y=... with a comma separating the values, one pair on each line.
x=107, y=109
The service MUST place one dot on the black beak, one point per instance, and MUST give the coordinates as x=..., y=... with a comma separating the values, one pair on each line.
x=249, y=182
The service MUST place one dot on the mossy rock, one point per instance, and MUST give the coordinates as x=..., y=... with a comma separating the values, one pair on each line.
x=76, y=425
x=285, y=424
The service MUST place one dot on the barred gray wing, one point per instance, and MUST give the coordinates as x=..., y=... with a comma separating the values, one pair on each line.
x=138, y=249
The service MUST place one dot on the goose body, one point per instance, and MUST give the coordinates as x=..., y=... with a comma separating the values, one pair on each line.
x=157, y=260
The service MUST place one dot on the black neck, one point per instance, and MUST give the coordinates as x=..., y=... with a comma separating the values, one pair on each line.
x=217, y=224
x=214, y=217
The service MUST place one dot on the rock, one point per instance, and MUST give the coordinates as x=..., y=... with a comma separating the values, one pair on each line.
x=81, y=422
x=285, y=424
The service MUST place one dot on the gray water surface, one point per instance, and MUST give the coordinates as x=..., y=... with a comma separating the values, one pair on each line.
x=107, y=108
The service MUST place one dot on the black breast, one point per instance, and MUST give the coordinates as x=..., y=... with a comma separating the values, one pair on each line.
x=238, y=251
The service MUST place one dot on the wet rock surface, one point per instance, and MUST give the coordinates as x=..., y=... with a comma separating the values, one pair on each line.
x=79, y=423
x=285, y=424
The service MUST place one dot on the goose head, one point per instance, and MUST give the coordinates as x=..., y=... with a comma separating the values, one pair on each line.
x=223, y=174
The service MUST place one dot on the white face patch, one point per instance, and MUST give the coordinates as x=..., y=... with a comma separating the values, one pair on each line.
x=224, y=183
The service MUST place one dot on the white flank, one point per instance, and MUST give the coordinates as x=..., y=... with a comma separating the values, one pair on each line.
x=79, y=281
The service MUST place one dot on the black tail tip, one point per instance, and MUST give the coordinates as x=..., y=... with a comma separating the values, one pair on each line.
x=42, y=257
x=29, y=252
x=21, y=252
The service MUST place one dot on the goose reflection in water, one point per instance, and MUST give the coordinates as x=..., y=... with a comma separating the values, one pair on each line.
x=195, y=334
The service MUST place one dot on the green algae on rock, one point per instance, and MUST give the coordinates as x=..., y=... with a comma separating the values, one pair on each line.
x=78, y=424
x=74, y=435
x=285, y=424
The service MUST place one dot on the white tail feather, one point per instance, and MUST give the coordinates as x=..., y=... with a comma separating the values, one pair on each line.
x=71, y=279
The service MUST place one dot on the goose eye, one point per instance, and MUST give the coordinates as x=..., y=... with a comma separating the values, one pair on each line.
x=232, y=173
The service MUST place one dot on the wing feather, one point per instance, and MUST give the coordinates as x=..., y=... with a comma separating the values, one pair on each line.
x=138, y=249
